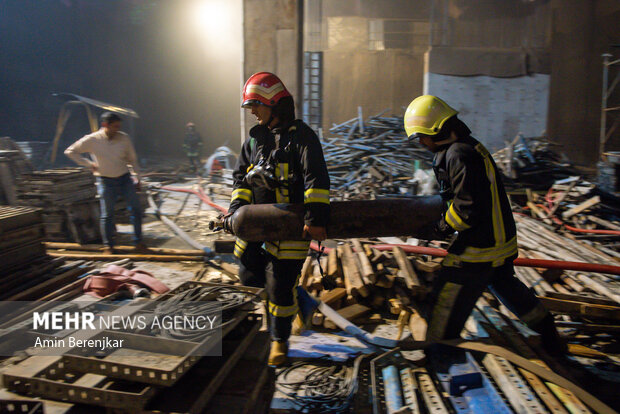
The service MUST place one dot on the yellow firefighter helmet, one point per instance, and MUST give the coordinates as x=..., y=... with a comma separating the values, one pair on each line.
x=426, y=115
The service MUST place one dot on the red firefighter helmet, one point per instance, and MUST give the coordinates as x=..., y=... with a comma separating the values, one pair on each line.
x=264, y=88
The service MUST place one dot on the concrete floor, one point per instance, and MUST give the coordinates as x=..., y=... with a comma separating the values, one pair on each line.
x=193, y=219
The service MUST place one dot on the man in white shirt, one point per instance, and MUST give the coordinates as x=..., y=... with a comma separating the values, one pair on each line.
x=112, y=154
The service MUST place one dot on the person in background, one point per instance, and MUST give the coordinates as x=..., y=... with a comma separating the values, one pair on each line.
x=192, y=144
x=112, y=153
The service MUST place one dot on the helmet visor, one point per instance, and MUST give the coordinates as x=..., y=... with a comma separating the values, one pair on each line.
x=416, y=136
x=248, y=103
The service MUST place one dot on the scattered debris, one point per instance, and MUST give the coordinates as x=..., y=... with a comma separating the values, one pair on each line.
x=373, y=158
x=532, y=162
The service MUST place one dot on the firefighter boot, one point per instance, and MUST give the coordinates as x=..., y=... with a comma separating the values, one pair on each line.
x=552, y=342
x=277, y=355
x=307, y=306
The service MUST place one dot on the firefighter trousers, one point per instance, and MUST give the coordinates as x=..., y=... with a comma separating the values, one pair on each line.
x=279, y=278
x=456, y=291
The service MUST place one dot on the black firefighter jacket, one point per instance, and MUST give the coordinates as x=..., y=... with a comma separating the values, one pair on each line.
x=300, y=167
x=478, y=208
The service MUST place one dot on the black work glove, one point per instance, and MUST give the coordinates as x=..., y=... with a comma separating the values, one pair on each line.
x=438, y=230
x=329, y=282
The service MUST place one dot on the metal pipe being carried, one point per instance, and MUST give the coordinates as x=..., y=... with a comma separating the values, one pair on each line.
x=348, y=219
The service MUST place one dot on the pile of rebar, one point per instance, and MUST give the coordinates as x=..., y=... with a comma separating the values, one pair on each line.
x=372, y=157
x=533, y=162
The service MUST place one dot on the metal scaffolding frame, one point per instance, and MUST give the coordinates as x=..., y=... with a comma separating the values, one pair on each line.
x=313, y=89
x=608, y=89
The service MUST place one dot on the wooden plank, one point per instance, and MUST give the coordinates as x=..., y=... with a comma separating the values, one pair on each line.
x=559, y=288
x=599, y=288
x=581, y=308
x=538, y=212
x=590, y=327
x=8, y=183
x=353, y=279
x=142, y=257
x=98, y=248
x=333, y=297
x=334, y=267
x=45, y=287
x=378, y=257
x=572, y=283
x=561, y=198
x=603, y=223
x=581, y=298
x=430, y=266
x=417, y=325
x=406, y=270
x=366, y=270
x=591, y=202
x=385, y=280
x=351, y=313
x=306, y=272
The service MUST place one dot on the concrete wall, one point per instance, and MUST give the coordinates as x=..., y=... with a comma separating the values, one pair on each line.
x=270, y=36
x=495, y=109
x=490, y=61
x=582, y=31
x=374, y=80
x=354, y=75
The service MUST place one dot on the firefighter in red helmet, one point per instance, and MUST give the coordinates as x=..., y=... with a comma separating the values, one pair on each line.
x=281, y=162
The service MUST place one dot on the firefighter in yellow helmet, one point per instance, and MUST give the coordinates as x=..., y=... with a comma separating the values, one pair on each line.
x=478, y=211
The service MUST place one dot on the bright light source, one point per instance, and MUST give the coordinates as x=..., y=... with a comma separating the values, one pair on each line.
x=211, y=17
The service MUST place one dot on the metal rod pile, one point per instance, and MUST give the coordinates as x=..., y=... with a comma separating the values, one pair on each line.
x=371, y=158
x=532, y=162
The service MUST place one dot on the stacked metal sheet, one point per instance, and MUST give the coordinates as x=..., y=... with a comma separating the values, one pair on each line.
x=372, y=158
x=67, y=196
x=13, y=163
x=22, y=252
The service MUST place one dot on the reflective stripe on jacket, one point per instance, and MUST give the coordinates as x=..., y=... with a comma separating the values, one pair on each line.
x=478, y=208
x=302, y=173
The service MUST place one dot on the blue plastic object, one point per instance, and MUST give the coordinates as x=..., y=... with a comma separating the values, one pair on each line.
x=307, y=304
x=391, y=386
x=463, y=377
x=470, y=391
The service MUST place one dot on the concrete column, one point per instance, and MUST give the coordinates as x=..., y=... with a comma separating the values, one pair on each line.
x=270, y=36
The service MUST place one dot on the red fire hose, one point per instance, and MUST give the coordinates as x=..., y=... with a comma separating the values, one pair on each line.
x=520, y=261
x=576, y=229
x=200, y=195
x=547, y=264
